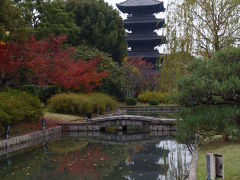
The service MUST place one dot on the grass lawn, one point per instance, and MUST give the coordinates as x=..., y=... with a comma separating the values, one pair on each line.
x=63, y=117
x=231, y=153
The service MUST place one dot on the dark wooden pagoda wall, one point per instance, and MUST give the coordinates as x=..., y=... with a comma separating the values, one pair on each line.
x=142, y=24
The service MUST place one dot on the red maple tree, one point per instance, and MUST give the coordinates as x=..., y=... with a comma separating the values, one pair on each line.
x=8, y=64
x=48, y=63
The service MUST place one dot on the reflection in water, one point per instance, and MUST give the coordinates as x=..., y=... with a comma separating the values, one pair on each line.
x=178, y=160
x=83, y=158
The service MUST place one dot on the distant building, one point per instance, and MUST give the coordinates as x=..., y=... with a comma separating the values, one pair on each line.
x=141, y=24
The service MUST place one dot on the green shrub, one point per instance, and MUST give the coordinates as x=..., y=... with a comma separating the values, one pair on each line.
x=154, y=102
x=148, y=96
x=131, y=101
x=103, y=102
x=16, y=106
x=80, y=104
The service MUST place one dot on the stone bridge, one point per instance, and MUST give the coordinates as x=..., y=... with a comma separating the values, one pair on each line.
x=122, y=122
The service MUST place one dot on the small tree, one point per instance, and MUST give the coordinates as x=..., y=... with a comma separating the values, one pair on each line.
x=140, y=76
x=211, y=93
x=149, y=76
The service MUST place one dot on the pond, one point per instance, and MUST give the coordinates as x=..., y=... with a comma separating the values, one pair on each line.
x=76, y=157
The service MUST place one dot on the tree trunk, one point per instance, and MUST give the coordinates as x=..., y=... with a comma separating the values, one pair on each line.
x=225, y=137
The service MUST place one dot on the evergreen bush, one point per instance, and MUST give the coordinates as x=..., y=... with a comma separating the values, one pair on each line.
x=148, y=96
x=154, y=102
x=131, y=101
x=16, y=106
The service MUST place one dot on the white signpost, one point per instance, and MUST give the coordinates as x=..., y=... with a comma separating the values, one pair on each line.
x=215, y=166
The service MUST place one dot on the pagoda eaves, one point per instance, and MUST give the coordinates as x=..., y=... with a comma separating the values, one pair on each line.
x=139, y=6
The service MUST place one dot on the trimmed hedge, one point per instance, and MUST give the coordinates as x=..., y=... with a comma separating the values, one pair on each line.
x=16, y=106
x=80, y=104
x=148, y=96
x=154, y=102
x=131, y=101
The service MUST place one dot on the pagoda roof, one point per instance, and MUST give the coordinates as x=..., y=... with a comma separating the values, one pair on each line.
x=139, y=3
x=144, y=54
x=141, y=6
x=144, y=24
x=143, y=20
x=142, y=37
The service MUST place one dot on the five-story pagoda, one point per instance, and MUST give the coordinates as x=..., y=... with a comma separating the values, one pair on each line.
x=141, y=24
